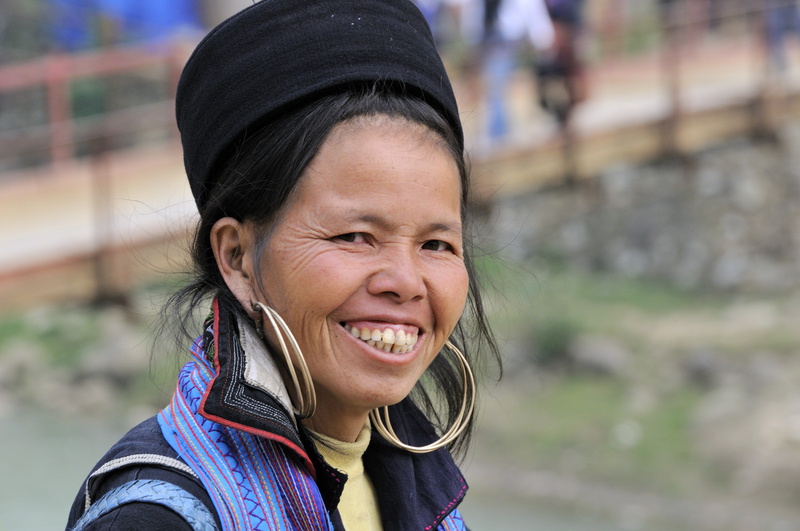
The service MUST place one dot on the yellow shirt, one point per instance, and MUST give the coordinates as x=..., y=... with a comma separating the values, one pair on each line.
x=358, y=506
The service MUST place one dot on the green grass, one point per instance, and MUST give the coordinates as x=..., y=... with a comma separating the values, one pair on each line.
x=63, y=334
x=585, y=426
x=552, y=283
x=665, y=429
x=545, y=298
x=10, y=328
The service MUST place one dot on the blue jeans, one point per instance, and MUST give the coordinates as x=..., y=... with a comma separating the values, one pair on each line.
x=499, y=64
x=780, y=22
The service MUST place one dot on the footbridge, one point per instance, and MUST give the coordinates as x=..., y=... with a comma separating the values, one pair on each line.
x=94, y=205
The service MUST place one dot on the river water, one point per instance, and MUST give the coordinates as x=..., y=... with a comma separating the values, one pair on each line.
x=43, y=460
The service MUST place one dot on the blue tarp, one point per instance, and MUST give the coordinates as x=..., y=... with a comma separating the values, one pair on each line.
x=71, y=25
x=74, y=23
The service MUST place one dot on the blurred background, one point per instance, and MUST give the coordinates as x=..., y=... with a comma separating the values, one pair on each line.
x=636, y=170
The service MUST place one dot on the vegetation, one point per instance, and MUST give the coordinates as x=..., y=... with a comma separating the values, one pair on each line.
x=635, y=426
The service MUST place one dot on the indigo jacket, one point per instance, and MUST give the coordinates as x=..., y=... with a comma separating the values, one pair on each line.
x=415, y=491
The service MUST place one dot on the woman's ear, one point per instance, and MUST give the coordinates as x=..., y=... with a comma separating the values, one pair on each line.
x=232, y=243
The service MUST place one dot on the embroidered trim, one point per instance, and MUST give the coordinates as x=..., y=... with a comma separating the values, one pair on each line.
x=450, y=506
x=230, y=401
x=254, y=483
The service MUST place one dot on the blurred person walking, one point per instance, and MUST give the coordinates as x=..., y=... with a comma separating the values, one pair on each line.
x=560, y=71
x=781, y=19
x=508, y=27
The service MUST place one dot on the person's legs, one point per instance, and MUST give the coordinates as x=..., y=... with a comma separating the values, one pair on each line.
x=499, y=64
x=775, y=25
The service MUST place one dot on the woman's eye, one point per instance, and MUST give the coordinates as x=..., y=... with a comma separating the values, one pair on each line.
x=436, y=245
x=350, y=237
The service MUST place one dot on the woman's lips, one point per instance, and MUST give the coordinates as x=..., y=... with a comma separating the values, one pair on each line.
x=397, y=339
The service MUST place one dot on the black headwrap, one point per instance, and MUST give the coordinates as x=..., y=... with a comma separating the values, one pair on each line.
x=279, y=53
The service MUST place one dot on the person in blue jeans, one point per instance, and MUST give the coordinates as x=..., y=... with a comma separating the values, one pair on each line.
x=508, y=27
x=781, y=21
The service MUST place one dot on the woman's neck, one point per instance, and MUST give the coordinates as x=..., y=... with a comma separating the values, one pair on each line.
x=337, y=425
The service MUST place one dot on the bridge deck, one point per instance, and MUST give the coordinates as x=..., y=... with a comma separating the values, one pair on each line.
x=135, y=205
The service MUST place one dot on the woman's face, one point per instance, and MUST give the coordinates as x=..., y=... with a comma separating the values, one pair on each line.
x=366, y=264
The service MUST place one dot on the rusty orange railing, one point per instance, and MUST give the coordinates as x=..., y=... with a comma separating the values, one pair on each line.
x=54, y=74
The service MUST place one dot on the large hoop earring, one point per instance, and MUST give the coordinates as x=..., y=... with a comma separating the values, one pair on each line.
x=380, y=416
x=305, y=394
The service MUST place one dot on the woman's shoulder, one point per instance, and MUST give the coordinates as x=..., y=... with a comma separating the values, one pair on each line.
x=141, y=466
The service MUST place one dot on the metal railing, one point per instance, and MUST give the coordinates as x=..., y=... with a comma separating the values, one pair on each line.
x=65, y=132
x=47, y=85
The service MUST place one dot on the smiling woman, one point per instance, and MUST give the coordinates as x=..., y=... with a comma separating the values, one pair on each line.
x=333, y=378
x=370, y=240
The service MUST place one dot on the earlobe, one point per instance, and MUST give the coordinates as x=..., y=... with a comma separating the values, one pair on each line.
x=231, y=242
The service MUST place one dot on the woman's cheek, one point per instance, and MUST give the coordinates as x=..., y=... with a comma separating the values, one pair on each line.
x=452, y=288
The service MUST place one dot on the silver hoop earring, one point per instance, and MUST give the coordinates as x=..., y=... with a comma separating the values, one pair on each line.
x=380, y=417
x=304, y=390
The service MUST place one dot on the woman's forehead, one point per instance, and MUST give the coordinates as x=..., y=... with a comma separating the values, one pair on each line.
x=381, y=147
x=377, y=167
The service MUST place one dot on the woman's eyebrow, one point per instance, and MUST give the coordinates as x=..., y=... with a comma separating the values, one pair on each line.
x=444, y=227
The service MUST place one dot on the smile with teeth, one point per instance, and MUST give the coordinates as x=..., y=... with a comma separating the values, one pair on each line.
x=387, y=340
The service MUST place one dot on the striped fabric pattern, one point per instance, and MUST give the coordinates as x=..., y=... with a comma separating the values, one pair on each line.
x=453, y=522
x=253, y=483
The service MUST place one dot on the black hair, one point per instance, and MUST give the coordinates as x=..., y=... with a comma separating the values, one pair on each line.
x=258, y=175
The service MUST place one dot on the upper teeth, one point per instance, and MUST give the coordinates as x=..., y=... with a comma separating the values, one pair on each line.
x=387, y=340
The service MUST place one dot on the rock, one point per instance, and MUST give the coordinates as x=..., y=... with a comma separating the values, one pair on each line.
x=21, y=361
x=771, y=275
x=710, y=182
x=95, y=396
x=55, y=392
x=749, y=193
x=690, y=268
x=599, y=355
x=627, y=260
x=642, y=399
x=664, y=253
x=730, y=270
x=618, y=184
x=574, y=236
x=627, y=434
x=733, y=228
x=703, y=367
x=120, y=354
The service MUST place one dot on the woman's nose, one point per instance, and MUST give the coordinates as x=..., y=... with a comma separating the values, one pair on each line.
x=399, y=276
